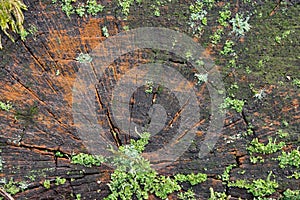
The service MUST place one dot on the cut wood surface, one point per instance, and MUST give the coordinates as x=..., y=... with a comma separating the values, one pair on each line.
x=37, y=76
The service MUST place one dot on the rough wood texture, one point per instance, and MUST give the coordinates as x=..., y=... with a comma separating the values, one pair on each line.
x=41, y=120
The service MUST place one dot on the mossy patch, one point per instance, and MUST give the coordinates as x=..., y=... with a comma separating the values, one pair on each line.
x=271, y=49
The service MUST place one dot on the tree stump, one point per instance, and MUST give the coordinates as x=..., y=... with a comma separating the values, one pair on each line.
x=37, y=76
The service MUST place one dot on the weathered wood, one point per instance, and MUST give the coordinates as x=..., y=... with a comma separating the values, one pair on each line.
x=41, y=121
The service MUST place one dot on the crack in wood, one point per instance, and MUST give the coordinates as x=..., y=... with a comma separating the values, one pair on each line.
x=115, y=131
x=48, y=151
x=33, y=56
x=249, y=125
x=185, y=132
x=176, y=116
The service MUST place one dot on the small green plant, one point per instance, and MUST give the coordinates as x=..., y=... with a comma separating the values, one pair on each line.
x=291, y=194
x=198, y=17
x=200, y=63
x=149, y=87
x=59, y=154
x=218, y=195
x=295, y=175
x=105, y=31
x=133, y=176
x=285, y=123
x=256, y=159
x=216, y=37
x=22, y=185
x=227, y=48
x=88, y=7
x=261, y=63
x=11, y=17
x=258, y=188
x=188, y=195
x=188, y=55
x=60, y=181
x=248, y=70
x=282, y=134
x=226, y=174
x=57, y=73
x=155, y=6
x=84, y=58
x=249, y=130
x=232, y=62
x=126, y=4
x=296, y=82
x=242, y=172
x=240, y=24
x=270, y=147
x=87, y=160
x=284, y=35
x=133, y=172
x=5, y=106
x=67, y=6
x=11, y=187
x=224, y=16
x=78, y=196
x=47, y=184
x=291, y=158
x=233, y=89
x=93, y=7
x=192, y=178
x=126, y=28
x=234, y=104
x=156, y=12
x=80, y=10
x=31, y=177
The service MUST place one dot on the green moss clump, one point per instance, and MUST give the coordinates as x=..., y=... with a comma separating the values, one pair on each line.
x=11, y=17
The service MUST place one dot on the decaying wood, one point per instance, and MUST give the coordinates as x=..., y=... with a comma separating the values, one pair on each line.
x=41, y=122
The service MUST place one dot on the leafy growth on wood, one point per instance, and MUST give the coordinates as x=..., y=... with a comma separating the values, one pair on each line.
x=11, y=17
x=271, y=147
x=233, y=104
x=291, y=194
x=13, y=187
x=70, y=7
x=5, y=106
x=87, y=160
x=134, y=177
x=259, y=187
x=292, y=159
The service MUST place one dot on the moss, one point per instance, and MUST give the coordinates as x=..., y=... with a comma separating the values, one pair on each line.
x=87, y=160
x=291, y=194
x=11, y=17
x=270, y=147
x=259, y=187
x=291, y=158
x=269, y=60
x=13, y=187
